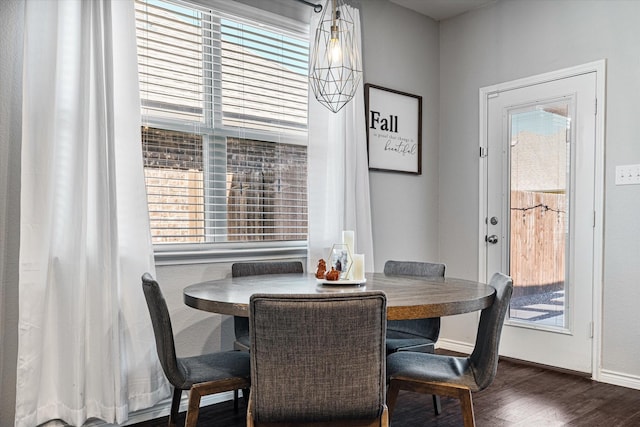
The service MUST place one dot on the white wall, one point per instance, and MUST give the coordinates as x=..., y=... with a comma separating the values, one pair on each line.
x=400, y=51
x=517, y=38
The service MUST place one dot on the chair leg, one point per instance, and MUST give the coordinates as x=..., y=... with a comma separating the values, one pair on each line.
x=463, y=394
x=250, y=412
x=175, y=406
x=193, y=409
x=437, y=406
x=466, y=404
x=236, y=397
x=384, y=419
x=392, y=397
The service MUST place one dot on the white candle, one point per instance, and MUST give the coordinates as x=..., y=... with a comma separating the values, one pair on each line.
x=347, y=238
x=358, y=267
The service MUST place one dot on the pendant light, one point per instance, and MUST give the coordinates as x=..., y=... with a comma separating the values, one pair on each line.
x=336, y=65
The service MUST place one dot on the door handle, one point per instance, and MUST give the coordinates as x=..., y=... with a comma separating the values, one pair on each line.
x=493, y=239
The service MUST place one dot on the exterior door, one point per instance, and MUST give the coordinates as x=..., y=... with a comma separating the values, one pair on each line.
x=539, y=197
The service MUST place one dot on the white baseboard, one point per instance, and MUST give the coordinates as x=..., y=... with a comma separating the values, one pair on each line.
x=162, y=408
x=619, y=378
x=605, y=375
x=459, y=346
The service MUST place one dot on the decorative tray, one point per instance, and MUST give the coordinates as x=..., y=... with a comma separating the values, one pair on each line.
x=342, y=282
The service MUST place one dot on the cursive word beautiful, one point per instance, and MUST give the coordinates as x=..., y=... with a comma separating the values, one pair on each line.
x=401, y=147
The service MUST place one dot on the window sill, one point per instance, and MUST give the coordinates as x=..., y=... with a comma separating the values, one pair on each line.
x=227, y=252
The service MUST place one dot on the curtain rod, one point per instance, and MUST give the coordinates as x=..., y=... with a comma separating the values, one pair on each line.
x=317, y=8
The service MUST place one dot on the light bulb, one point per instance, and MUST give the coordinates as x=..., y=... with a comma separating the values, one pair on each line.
x=335, y=51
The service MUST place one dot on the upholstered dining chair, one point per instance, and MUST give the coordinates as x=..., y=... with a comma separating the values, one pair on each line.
x=454, y=376
x=241, y=269
x=318, y=359
x=241, y=324
x=203, y=374
x=417, y=334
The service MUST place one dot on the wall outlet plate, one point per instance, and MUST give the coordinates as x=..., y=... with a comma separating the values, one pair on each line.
x=627, y=174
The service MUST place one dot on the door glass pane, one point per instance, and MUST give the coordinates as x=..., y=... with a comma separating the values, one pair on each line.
x=539, y=180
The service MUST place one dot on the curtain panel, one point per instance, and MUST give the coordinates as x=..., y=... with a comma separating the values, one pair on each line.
x=86, y=347
x=338, y=171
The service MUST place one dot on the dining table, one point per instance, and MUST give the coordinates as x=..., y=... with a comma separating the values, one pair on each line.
x=408, y=297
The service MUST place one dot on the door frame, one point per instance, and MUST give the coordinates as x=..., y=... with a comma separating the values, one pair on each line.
x=599, y=67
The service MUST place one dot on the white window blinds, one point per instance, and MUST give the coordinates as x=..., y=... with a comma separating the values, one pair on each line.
x=224, y=104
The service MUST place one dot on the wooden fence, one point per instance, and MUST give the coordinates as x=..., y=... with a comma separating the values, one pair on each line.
x=260, y=206
x=538, y=240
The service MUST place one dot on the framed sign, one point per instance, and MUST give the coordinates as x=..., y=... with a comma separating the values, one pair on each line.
x=394, y=130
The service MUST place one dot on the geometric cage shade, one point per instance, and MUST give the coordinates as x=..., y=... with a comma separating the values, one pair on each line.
x=335, y=68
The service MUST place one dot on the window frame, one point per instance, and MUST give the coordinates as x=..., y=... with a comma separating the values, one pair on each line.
x=196, y=253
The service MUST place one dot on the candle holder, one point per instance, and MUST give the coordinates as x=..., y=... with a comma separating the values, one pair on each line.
x=340, y=258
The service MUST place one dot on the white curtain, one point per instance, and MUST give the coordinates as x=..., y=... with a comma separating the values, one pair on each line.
x=86, y=347
x=338, y=181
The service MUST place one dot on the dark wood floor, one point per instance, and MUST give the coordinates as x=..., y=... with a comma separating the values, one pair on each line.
x=521, y=395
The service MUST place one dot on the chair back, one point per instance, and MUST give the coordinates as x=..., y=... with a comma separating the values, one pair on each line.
x=162, y=330
x=484, y=359
x=240, y=269
x=317, y=358
x=429, y=328
x=414, y=268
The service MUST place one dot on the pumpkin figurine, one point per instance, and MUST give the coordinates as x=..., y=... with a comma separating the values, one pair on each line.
x=333, y=274
x=322, y=269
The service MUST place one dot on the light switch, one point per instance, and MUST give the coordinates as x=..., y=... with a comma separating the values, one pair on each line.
x=627, y=174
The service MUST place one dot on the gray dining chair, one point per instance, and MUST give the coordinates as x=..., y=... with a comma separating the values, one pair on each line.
x=417, y=334
x=241, y=324
x=201, y=375
x=455, y=376
x=318, y=359
x=241, y=269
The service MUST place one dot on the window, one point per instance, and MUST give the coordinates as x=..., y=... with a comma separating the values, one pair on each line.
x=224, y=107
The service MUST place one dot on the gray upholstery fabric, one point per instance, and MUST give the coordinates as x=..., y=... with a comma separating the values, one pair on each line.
x=400, y=341
x=419, y=334
x=484, y=358
x=182, y=373
x=476, y=371
x=214, y=367
x=414, y=268
x=317, y=357
x=241, y=269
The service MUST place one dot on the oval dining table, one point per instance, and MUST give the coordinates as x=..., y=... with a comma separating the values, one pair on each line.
x=408, y=297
